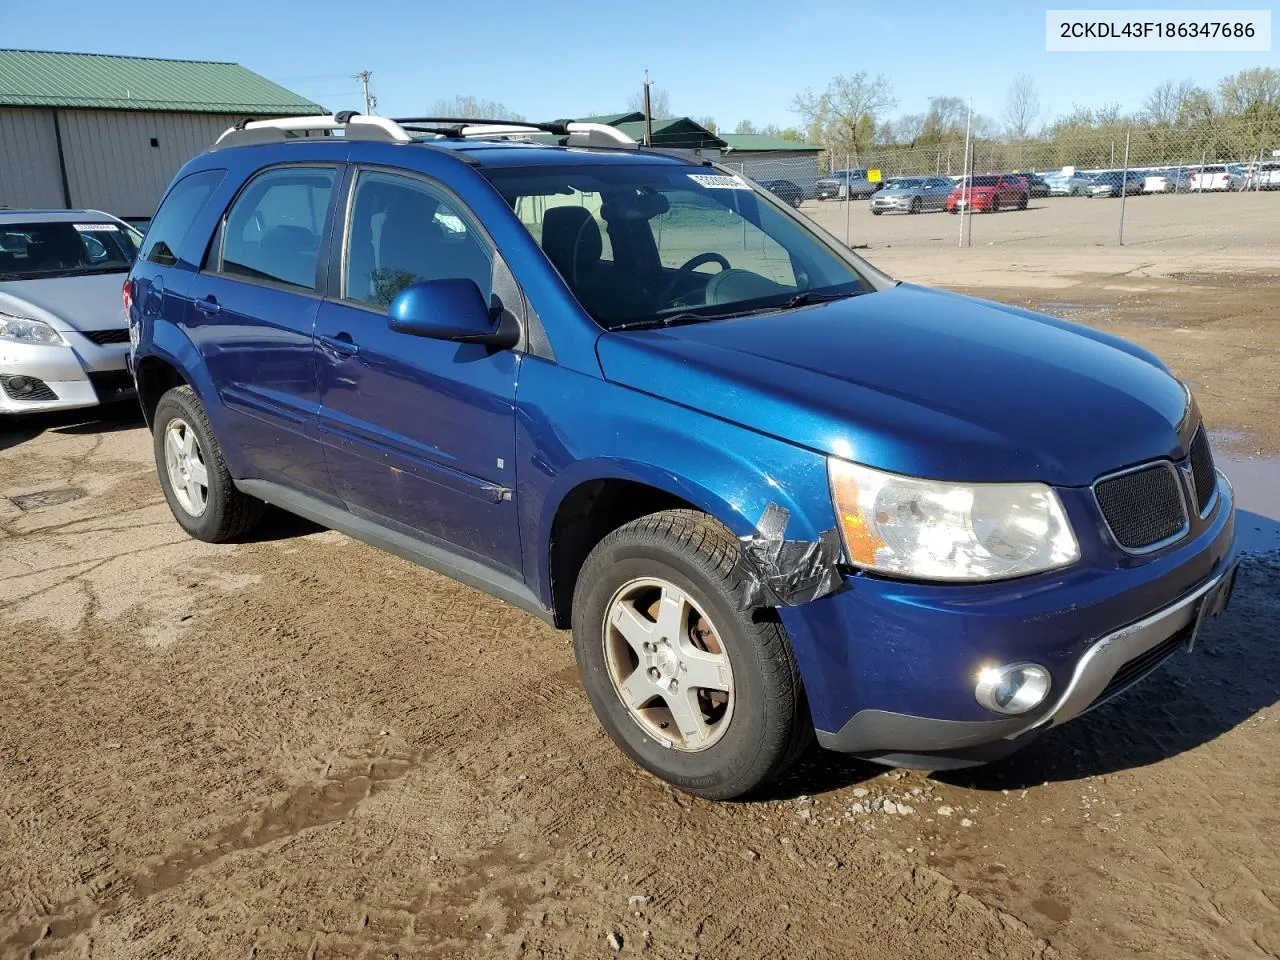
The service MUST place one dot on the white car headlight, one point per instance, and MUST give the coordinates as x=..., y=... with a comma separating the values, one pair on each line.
x=936, y=530
x=29, y=331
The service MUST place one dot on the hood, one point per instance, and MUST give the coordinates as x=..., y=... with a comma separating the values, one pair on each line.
x=921, y=382
x=90, y=302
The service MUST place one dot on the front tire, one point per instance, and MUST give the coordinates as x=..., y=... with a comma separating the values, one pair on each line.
x=700, y=694
x=193, y=473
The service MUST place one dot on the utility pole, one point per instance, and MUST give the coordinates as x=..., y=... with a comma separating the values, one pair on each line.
x=648, y=112
x=370, y=101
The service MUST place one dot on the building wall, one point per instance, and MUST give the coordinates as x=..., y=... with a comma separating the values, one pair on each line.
x=111, y=164
x=29, y=174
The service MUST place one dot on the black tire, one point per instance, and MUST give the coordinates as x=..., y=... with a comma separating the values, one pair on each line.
x=796, y=200
x=995, y=204
x=228, y=514
x=876, y=213
x=915, y=205
x=1022, y=204
x=769, y=726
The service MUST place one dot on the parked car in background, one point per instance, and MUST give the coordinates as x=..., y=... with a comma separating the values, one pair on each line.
x=1172, y=180
x=1217, y=176
x=854, y=184
x=1037, y=186
x=786, y=498
x=911, y=195
x=1263, y=176
x=989, y=193
x=785, y=190
x=1059, y=184
x=1078, y=184
x=1114, y=183
x=63, y=337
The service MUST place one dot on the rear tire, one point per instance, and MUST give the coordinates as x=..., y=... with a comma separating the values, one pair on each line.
x=670, y=581
x=193, y=474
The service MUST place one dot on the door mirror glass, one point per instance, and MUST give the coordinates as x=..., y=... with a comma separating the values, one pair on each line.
x=452, y=309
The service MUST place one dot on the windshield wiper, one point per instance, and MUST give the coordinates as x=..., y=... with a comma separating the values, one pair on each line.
x=674, y=320
x=811, y=296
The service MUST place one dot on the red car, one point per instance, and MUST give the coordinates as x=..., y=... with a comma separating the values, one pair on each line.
x=989, y=193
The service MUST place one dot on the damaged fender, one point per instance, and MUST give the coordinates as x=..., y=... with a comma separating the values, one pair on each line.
x=786, y=573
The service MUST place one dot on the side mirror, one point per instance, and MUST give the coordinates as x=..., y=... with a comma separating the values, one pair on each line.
x=450, y=310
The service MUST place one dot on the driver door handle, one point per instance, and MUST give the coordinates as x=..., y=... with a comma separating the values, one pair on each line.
x=209, y=306
x=340, y=345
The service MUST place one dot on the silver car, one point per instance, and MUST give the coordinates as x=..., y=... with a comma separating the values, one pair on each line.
x=63, y=337
x=912, y=195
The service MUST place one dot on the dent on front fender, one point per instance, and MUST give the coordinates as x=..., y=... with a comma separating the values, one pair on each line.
x=572, y=428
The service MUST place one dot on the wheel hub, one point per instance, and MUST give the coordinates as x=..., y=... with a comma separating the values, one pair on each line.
x=662, y=664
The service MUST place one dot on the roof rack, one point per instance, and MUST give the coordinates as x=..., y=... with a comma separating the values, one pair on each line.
x=356, y=126
x=579, y=134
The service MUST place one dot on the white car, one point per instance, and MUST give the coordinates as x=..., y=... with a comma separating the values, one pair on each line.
x=64, y=342
x=1217, y=176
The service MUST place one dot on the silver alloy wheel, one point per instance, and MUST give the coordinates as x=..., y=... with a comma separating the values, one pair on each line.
x=668, y=665
x=184, y=461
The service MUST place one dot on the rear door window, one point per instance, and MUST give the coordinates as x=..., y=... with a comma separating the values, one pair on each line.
x=169, y=228
x=274, y=228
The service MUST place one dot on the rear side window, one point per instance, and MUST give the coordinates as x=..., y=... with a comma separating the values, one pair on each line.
x=274, y=229
x=168, y=229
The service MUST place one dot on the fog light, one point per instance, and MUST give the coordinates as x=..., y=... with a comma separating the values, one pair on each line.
x=19, y=386
x=1012, y=688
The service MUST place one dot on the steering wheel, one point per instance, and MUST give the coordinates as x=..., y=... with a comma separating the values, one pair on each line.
x=688, y=267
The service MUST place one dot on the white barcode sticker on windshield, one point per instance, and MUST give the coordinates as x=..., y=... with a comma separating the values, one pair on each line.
x=94, y=227
x=718, y=182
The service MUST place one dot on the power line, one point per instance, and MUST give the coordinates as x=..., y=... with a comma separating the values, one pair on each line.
x=370, y=101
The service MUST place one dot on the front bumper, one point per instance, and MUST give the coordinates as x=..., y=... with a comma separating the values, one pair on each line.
x=83, y=374
x=890, y=667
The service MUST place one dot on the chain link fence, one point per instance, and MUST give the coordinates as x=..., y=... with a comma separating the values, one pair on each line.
x=1119, y=164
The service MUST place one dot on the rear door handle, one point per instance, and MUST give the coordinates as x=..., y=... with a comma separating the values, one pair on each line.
x=209, y=306
x=340, y=345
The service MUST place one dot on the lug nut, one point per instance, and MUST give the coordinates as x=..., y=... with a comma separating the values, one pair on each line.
x=653, y=674
x=673, y=686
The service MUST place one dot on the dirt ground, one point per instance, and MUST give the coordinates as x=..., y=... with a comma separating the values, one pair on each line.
x=302, y=747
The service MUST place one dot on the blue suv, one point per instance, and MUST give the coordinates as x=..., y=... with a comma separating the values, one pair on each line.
x=772, y=491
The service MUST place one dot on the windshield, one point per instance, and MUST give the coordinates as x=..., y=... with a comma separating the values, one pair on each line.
x=33, y=251
x=988, y=181
x=907, y=183
x=654, y=244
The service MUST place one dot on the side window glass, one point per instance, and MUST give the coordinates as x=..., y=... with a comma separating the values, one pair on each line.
x=274, y=229
x=169, y=227
x=403, y=231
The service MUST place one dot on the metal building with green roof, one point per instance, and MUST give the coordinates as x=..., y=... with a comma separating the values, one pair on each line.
x=109, y=132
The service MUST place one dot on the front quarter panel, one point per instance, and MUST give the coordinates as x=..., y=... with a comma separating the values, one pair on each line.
x=572, y=428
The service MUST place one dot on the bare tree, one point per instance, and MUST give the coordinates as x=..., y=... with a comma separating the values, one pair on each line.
x=745, y=126
x=468, y=106
x=659, y=102
x=1166, y=105
x=844, y=115
x=1255, y=91
x=707, y=123
x=906, y=129
x=1021, y=107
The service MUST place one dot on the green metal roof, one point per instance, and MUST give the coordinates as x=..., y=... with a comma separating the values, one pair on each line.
x=40, y=78
x=613, y=119
x=755, y=143
x=675, y=132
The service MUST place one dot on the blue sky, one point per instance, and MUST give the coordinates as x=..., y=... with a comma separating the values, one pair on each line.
x=555, y=58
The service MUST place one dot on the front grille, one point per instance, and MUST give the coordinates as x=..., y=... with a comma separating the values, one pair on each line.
x=103, y=337
x=1202, y=472
x=1144, y=507
x=1144, y=663
x=27, y=389
x=112, y=385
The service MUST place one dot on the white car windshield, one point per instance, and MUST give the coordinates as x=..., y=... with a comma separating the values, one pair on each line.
x=35, y=251
x=653, y=245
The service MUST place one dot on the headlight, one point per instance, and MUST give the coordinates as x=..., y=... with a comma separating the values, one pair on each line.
x=29, y=331
x=935, y=530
